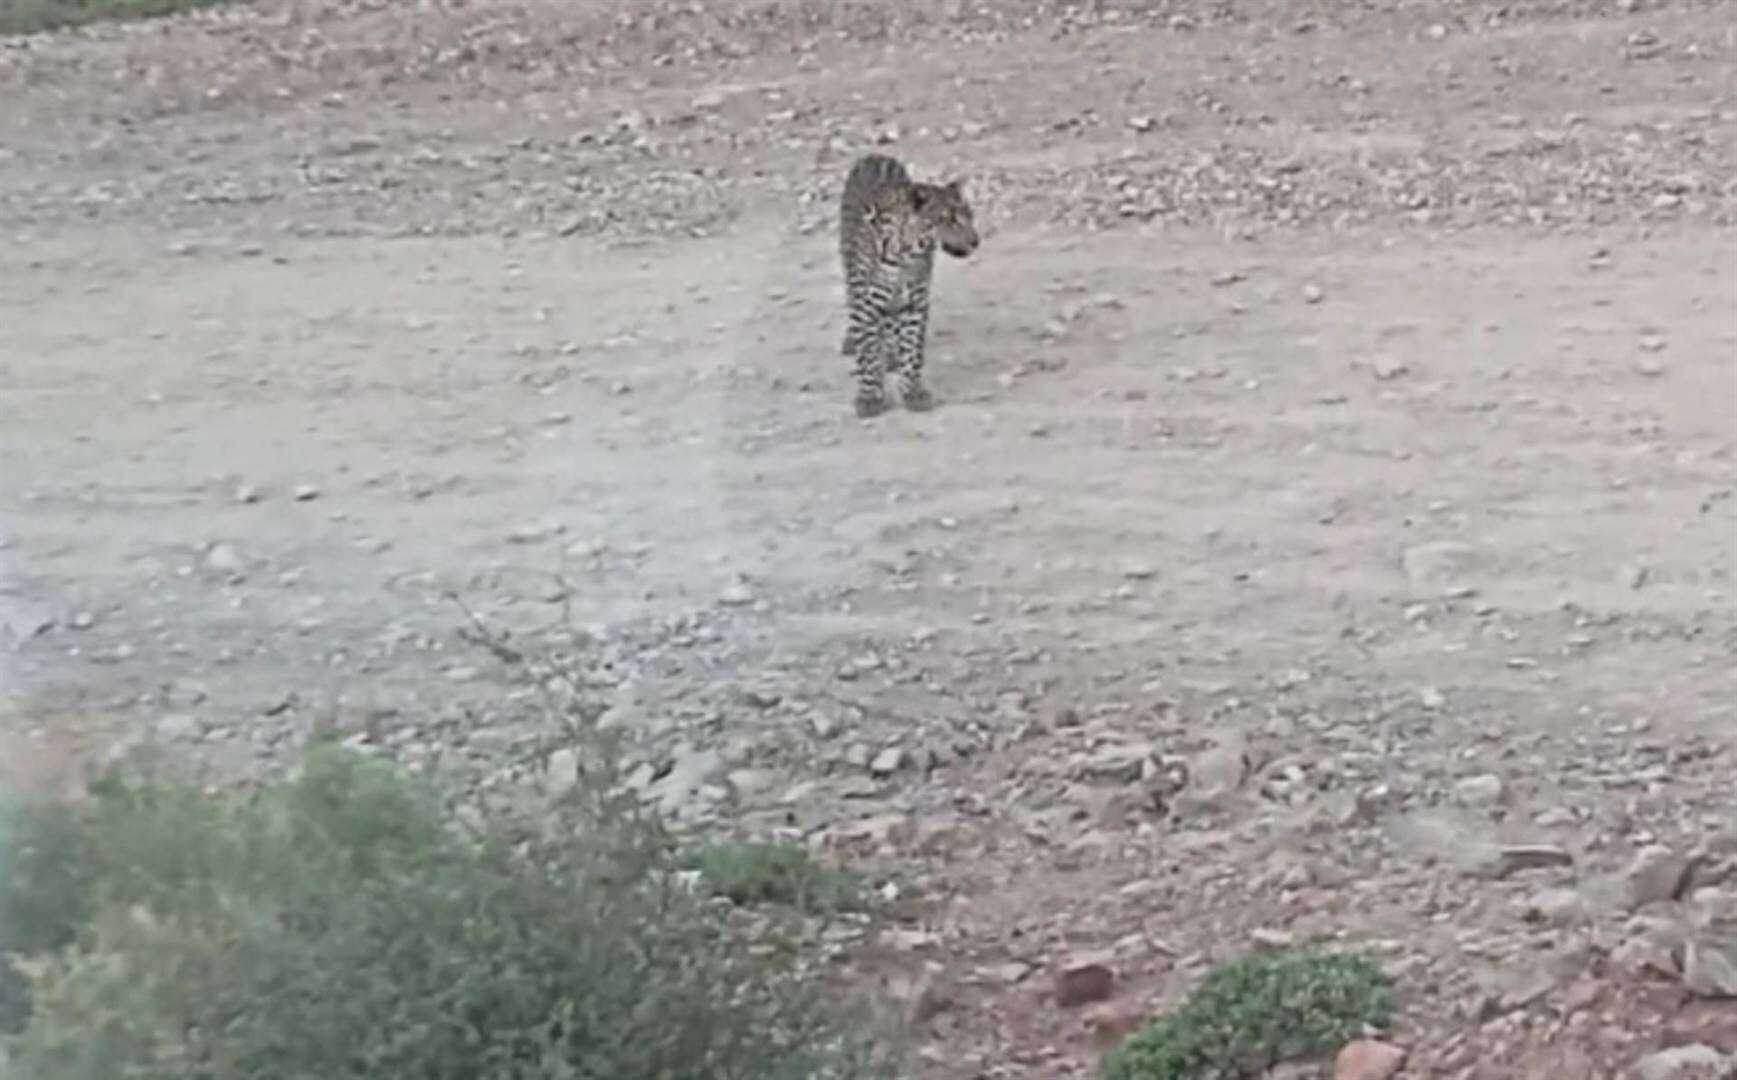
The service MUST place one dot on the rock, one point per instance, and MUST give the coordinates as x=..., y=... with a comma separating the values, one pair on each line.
x=1710, y=966
x=924, y=995
x=82, y=620
x=887, y=762
x=1555, y=907
x=247, y=493
x=1112, y=1022
x=737, y=594
x=1125, y=763
x=1084, y=980
x=1518, y=857
x=561, y=772
x=1697, y=1062
x=1218, y=771
x=224, y=559
x=1442, y=565
x=1387, y=368
x=1712, y=1022
x=1312, y=293
x=1485, y=790
x=1657, y=875
x=1368, y=1059
x=306, y=493
x=177, y=727
x=1453, y=838
x=751, y=783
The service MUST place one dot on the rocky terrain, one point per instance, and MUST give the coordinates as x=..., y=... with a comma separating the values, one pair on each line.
x=1327, y=525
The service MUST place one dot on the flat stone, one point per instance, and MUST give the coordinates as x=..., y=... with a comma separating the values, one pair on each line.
x=1084, y=980
x=1368, y=1059
x=1657, y=875
x=1697, y=1062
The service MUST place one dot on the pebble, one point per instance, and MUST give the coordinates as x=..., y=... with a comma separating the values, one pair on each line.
x=1656, y=875
x=178, y=727
x=887, y=762
x=82, y=620
x=247, y=493
x=1368, y=1059
x=561, y=772
x=306, y=493
x=1555, y=907
x=1485, y=790
x=1698, y=1062
x=737, y=594
x=1084, y=980
x=224, y=558
x=1312, y=293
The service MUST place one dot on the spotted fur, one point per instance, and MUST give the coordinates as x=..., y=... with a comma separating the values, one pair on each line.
x=889, y=227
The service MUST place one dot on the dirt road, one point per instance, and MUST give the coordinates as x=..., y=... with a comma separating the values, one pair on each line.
x=1350, y=387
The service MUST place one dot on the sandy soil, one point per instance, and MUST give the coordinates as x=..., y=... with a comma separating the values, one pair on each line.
x=1344, y=392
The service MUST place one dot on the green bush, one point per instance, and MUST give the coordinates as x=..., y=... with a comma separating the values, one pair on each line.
x=1256, y=1012
x=335, y=928
x=31, y=16
x=759, y=873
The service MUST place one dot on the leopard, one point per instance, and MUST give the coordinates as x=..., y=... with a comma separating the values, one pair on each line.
x=889, y=228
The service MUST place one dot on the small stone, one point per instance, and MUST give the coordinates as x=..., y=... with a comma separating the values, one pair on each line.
x=1555, y=907
x=1697, y=1062
x=1368, y=1059
x=1083, y=981
x=247, y=493
x=1312, y=293
x=1710, y=967
x=178, y=727
x=306, y=493
x=561, y=773
x=1712, y=1022
x=1431, y=698
x=887, y=762
x=1485, y=790
x=1652, y=343
x=1386, y=368
x=737, y=594
x=1518, y=857
x=1112, y=1022
x=1657, y=875
x=224, y=558
x=1139, y=571
x=82, y=620
x=1442, y=564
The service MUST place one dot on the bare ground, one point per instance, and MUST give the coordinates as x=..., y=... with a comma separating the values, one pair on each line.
x=1337, y=425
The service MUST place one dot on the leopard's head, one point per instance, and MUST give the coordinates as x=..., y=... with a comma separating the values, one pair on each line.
x=945, y=208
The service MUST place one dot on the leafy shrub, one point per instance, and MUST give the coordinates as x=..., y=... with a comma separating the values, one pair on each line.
x=334, y=927
x=1254, y=1013
x=762, y=873
x=31, y=16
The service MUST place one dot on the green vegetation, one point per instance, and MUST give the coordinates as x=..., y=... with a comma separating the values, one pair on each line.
x=337, y=927
x=1259, y=1011
x=32, y=16
x=756, y=873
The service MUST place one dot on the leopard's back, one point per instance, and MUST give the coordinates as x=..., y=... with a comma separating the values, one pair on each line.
x=876, y=203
